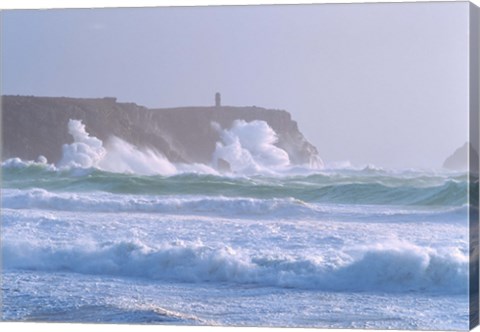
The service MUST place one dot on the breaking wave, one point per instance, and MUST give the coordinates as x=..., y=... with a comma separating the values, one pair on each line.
x=99, y=202
x=222, y=206
x=390, y=268
x=117, y=156
x=339, y=187
x=248, y=147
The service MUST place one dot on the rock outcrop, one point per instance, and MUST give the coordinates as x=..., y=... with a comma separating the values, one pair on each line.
x=33, y=126
x=459, y=160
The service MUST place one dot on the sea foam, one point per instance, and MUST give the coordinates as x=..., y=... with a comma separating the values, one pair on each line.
x=248, y=147
x=118, y=156
x=86, y=151
x=382, y=268
x=238, y=207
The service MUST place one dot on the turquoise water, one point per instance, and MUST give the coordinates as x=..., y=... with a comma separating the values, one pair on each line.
x=365, y=186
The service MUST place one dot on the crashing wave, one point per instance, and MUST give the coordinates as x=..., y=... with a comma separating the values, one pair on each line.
x=397, y=267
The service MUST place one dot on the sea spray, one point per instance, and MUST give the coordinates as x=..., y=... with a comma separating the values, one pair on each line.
x=248, y=147
x=123, y=157
x=86, y=151
x=118, y=156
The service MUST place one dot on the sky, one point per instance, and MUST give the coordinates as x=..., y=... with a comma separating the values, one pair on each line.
x=381, y=84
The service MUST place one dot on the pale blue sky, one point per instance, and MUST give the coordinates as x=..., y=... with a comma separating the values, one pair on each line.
x=385, y=84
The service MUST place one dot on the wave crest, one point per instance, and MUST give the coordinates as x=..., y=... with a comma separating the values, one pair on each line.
x=393, y=268
x=98, y=202
x=248, y=147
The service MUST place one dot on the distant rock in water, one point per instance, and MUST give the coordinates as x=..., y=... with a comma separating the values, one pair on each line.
x=38, y=126
x=459, y=159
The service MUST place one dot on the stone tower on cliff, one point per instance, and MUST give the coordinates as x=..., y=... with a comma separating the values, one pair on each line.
x=218, y=99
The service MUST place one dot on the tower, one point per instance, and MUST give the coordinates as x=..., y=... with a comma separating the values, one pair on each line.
x=218, y=99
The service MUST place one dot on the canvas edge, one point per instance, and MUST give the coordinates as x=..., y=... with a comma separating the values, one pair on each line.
x=473, y=158
x=474, y=103
x=1, y=153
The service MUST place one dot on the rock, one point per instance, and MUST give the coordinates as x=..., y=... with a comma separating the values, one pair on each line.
x=223, y=165
x=459, y=160
x=33, y=126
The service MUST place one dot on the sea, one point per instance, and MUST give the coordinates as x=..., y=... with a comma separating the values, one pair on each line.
x=289, y=246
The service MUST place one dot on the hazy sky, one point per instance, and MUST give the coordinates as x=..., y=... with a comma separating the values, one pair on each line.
x=385, y=84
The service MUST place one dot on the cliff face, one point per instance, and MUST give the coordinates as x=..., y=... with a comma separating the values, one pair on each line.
x=33, y=126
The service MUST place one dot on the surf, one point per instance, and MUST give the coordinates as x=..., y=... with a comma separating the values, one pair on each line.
x=392, y=268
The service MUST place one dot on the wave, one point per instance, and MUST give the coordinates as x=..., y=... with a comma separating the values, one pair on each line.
x=339, y=187
x=448, y=194
x=193, y=205
x=391, y=268
x=248, y=148
x=228, y=207
x=245, y=148
x=117, y=155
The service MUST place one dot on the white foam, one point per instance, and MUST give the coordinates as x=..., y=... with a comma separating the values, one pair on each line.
x=17, y=163
x=240, y=207
x=118, y=156
x=401, y=266
x=86, y=151
x=123, y=157
x=387, y=268
x=249, y=147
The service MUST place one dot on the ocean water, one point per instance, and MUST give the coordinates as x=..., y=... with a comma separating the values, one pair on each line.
x=259, y=246
x=335, y=248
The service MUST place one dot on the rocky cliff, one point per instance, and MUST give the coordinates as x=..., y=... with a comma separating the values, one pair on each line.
x=33, y=126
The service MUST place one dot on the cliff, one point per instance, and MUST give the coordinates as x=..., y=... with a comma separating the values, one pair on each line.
x=33, y=126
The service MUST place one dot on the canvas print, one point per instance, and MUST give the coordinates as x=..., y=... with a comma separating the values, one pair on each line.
x=279, y=166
